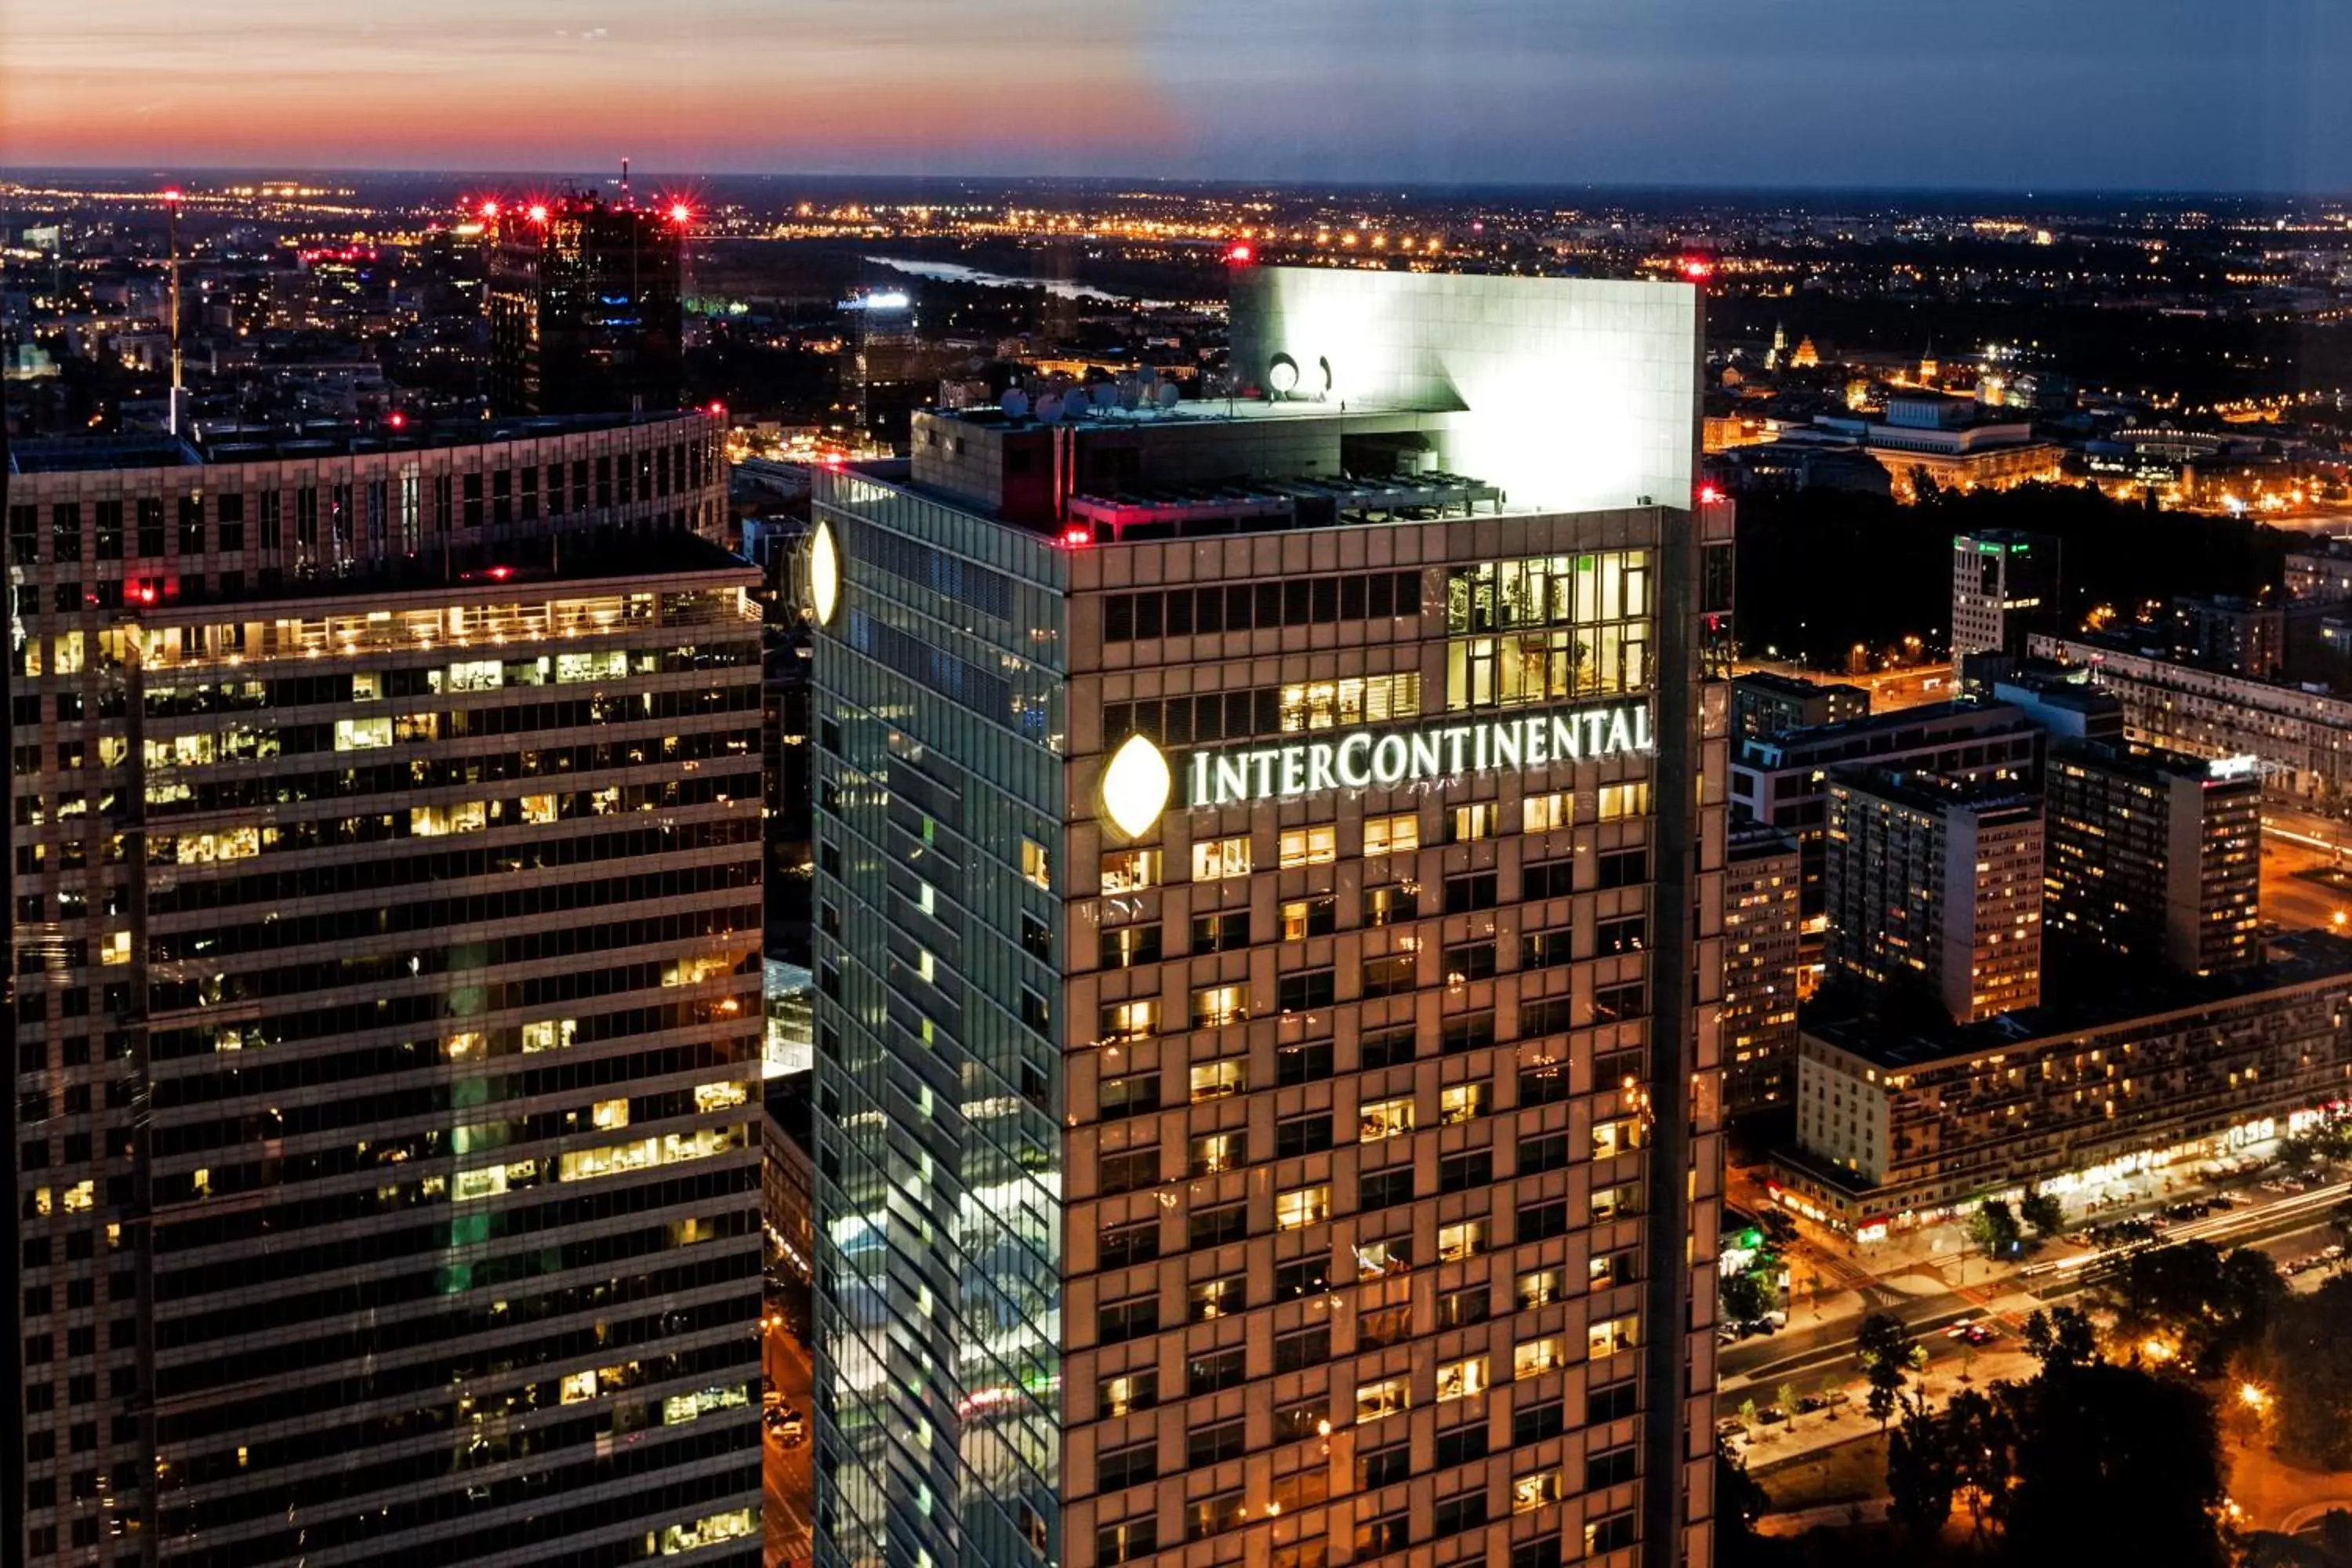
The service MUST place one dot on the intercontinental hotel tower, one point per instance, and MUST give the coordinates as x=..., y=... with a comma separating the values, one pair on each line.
x=1269, y=861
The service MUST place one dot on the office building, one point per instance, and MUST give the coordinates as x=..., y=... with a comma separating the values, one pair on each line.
x=2320, y=575
x=2154, y=855
x=1764, y=704
x=2299, y=740
x=1900, y=1128
x=2005, y=587
x=386, y=938
x=2062, y=701
x=1935, y=885
x=1266, y=1092
x=585, y=312
x=1783, y=779
x=1761, y=921
x=885, y=380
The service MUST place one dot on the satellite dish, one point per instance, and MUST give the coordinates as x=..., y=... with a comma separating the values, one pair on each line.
x=1169, y=396
x=1049, y=409
x=1077, y=401
x=1326, y=364
x=1129, y=395
x=1014, y=402
x=1282, y=374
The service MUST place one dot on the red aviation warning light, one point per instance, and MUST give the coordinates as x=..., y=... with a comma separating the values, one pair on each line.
x=537, y=213
x=680, y=214
x=1239, y=255
x=398, y=421
x=1074, y=535
x=1708, y=495
x=1697, y=268
x=489, y=210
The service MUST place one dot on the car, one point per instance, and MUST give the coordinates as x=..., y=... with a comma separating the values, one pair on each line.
x=2221, y=1200
x=1730, y=1428
x=2332, y=1251
x=1980, y=1334
x=1958, y=1329
x=1771, y=1413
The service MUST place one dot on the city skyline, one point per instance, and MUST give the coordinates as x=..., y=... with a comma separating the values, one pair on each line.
x=2007, y=96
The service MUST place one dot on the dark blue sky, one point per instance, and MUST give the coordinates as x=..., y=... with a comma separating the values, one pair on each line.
x=2185, y=94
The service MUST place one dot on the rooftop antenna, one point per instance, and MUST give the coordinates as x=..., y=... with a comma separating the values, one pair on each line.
x=179, y=392
x=624, y=182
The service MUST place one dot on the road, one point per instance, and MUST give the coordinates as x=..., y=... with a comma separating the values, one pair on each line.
x=2299, y=852
x=1753, y=1367
x=790, y=1474
x=1890, y=690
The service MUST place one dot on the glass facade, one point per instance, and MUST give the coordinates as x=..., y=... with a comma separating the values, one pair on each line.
x=941, y=801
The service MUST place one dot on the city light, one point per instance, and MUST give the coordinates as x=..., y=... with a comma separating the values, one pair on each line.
x=680, y=212
x=1238, y=254
x=537, y=213
x=1076, y=535
x=397, y=419
x=2253, y=1395
x=1698, y=269
x=1709, y=494
x=490, y=210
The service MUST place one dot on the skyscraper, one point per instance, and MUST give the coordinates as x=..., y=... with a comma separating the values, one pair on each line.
x=1936, y=884
x=1762, y=948
x=2004, y=589
x=585, y=302
x=1262, y=1095
x=2155, y=855
x=387, y=939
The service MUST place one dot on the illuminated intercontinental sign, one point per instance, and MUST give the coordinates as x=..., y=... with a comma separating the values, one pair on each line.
x=1431, y=754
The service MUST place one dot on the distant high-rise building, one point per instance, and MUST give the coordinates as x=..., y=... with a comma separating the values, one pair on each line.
x=2004, y=589
x=1935, y=882
x=886, y=363
x=385, y=928
x=1766, y=704
x=585, y=312
x=1266, y=1077
x=1762, y=871
x=2227, y=632
x=2154, y=854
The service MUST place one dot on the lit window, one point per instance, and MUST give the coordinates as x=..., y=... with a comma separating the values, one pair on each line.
x=549, y=1034
x=578, y=1386
x=1131, y=871
x=1220, y=1080
x=538, y=808
x=1529, y=1493
x=355, y=734
x=1216, y=858
x=1388, y=1396
x=1611, y=1138
x=1302, y=1206
x=610, y=1114
x=1462, y=1102
x=1131, y=1020
x=1539, y=1356
x=1309, y=846
x=1034, y=865
x=1386, y=1119
x=1541, y=1287
x=1616, y=1203
x=1216, y=1007
x=1393, y=835
x=1610, y=1337
x=1625, y=800
x=1547, y=813
x=481, y=675
x=1214, y=1152
x=1477, y=821
x=1456, y=1242
x=1461, y=1379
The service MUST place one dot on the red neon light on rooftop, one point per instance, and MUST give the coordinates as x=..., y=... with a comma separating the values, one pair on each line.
x=1076, y=535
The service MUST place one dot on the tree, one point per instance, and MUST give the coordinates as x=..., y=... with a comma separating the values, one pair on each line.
x=1884, y=1344
x=1920, y=1470
x=1994, y=1229
x=1780, y=1230
x=2043, y=1212
x=2305, y=1362
x=2192, y=1295
x=1747, y=1296
x=2062, y=1336
x=1785, y=1396
x=2112, y=1464
x=2297, y=1154
x=1740, y=1502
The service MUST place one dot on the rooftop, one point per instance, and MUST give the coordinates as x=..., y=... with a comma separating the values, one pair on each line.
x=1924, y=791
x=1788, y=685
x=2296, y=958
x=1858, y=740
x=321, y=439
x=2154, y=765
